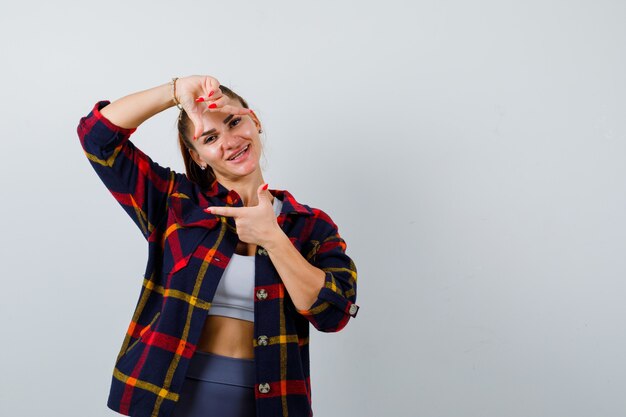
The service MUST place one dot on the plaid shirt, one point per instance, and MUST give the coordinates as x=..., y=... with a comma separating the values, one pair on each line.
x=189, y=250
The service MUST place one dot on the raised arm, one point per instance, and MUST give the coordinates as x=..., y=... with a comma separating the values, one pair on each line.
x=132, y=110
x=139, y=184
x=194, y=93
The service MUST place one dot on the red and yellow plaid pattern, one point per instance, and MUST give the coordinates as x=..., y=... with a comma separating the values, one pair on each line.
x=188, y=251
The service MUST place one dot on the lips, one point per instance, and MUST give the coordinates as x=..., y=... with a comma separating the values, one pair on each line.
x=238, y=153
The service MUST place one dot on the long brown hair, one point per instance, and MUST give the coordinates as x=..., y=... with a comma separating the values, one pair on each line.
x=204, y=178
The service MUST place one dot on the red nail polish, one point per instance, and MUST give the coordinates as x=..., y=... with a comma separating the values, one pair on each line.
x=211, y=93
x=194, y=137
x=265, y=186
x=199, y=99
x=212, y=105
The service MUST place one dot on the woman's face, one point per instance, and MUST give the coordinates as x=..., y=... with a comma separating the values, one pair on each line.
x=225, y=135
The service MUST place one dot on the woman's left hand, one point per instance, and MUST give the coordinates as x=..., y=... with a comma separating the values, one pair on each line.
x=255, y=224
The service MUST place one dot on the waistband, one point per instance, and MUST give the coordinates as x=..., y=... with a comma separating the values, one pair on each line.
x=211, y=367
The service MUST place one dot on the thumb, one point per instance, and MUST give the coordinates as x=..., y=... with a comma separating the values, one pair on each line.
x=195, y=115
x=197, y=124
x=262, y=193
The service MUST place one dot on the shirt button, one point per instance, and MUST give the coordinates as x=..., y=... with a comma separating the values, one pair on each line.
x=262, y=340
x=264, y=388
x=353, y=309
x=262, y=251
x=261, y=294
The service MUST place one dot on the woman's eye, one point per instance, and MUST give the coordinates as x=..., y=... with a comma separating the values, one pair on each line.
x=234, y=122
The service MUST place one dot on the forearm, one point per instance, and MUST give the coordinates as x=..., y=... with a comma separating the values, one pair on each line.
x=302, y=280
x=132, y=110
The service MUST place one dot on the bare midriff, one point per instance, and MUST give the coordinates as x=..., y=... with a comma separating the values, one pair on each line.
x=228, y=336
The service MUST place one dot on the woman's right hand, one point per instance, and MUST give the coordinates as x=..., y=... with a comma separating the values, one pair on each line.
x=201, y=93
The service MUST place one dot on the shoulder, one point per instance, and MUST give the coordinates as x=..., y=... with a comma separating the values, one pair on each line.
x=321, y=217
x=316, y=214
x=321, y=224
x=315, y=221
x=185, y=185
x=187, y=201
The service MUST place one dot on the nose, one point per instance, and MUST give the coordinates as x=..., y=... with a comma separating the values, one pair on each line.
x=230, y=141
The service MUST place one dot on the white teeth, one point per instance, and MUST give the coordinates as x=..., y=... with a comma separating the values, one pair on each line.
x=240, y=153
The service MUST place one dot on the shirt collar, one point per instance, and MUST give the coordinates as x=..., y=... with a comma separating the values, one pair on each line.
x=231, y=197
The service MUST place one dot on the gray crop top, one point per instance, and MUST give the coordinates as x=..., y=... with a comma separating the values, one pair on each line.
x=234, y=296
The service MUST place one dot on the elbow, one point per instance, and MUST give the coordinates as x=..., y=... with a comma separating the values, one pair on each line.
x=334, y=326
x=330, y=318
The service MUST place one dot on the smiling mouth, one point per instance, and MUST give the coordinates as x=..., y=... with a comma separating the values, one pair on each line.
x=242, y=152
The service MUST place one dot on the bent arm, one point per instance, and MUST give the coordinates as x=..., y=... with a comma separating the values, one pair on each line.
x=138, y=183
x=302, y=280
x=331, y=280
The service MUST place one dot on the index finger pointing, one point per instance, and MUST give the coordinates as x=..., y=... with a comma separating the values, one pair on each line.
x=222, y=211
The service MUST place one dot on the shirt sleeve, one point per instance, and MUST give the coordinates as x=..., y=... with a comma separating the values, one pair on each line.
x=335, y=302
x=140, y=185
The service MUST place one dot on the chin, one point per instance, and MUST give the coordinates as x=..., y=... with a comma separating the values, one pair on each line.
x=244, y=171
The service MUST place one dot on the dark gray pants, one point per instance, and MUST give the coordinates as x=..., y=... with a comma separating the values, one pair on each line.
x=217, y=386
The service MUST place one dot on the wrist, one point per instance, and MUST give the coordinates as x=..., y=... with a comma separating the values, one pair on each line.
x=173, y=93
x=275, y=240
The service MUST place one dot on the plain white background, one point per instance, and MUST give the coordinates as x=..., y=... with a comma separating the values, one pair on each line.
x=472, y=154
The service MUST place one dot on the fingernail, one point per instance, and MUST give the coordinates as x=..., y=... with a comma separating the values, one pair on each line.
x=199, y=99
x=265, y=186
x=212, y=105
x=252, y=111
x=211, y=93
x=194, y=137
x=208, y=209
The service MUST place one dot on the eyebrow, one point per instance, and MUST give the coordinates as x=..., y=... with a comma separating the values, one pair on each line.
x=226, y=120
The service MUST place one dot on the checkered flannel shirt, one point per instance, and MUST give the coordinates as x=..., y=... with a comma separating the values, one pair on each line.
x=189, y=250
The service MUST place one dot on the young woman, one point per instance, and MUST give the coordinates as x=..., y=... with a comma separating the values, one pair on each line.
x=236, y=272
